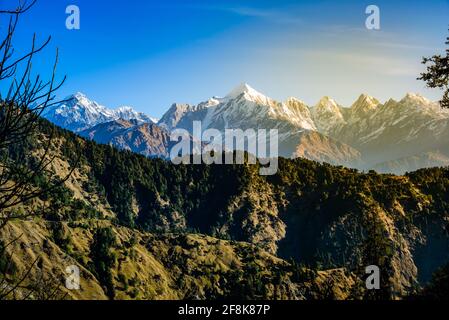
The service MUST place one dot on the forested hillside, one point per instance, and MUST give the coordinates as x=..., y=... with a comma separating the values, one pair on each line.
x=145, y=228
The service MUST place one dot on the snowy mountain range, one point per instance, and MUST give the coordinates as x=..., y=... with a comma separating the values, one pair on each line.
x=78, y=113
x=396, y=136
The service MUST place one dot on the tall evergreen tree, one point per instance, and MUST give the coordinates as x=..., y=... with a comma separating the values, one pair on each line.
x=437, y=74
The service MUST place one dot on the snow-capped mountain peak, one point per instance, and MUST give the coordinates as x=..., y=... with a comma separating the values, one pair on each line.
x=128, y=113
x=212, y=102
x=294, y=100
x=78, y=95
x=416, y=99
x=365, y=99
x=364, y=103
x=77, y=112
x=241, y=89
x=174, y=114
x=327, y=104
x=248, y=93
x=81, y=100
x=327, y=115
x=361, y=109
x=124, y=109
x=299, y=113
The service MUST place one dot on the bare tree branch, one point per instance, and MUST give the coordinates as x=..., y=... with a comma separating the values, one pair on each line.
x=26, y=98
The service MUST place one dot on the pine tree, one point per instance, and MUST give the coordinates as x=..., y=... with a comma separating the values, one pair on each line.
x=437, y=75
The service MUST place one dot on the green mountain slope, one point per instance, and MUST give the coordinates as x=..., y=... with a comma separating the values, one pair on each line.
x=328, y=222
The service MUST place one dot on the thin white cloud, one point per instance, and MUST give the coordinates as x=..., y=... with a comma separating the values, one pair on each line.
x=397, y=45
x=382, y=38
x=250, y=12
x=373, y=63
x=268, y=14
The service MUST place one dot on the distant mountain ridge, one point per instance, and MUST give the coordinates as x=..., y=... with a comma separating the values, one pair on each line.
x=144, y=138
x=78, y=113
x=396, y=136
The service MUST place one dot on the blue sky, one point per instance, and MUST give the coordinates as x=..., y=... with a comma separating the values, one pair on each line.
x=149, y=54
